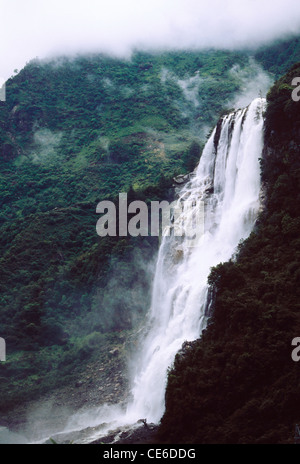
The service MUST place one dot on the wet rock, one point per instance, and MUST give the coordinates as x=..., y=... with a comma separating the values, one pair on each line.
x=186, y=347
x=178, y=254
x=114, y=352
x=181, y=179
x=209, y=190
x=131, y=434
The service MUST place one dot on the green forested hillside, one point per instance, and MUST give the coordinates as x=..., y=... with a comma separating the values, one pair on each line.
x=277, y=58
x=74, y=132
x=239, y=384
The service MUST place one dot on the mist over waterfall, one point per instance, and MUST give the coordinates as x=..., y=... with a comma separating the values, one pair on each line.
x=227, y=183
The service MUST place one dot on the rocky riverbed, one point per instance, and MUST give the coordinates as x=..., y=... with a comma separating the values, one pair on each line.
x=99, y=384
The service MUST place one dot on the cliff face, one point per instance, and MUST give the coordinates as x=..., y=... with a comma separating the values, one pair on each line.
x=239, y=384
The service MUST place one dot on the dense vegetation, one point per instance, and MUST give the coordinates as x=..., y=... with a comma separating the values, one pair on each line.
x=239, y=384
x=74, y=132
x=280, y=56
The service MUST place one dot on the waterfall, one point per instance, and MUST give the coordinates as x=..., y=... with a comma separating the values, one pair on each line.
x=227, y=183
x=225, y=188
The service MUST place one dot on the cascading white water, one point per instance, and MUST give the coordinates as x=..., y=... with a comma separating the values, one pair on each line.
x=227, y=180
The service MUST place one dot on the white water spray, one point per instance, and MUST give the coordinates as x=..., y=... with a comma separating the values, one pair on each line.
x=228, y=181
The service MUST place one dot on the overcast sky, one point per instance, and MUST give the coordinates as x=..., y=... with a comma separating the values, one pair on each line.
x=45, y=28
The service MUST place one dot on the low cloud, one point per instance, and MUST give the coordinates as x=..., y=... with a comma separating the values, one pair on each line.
x=47, y=28
x=46, y=143
x=254, y=81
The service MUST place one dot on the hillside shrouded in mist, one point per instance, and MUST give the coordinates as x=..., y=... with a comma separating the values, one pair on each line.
x=122, y=97
x=46, y=28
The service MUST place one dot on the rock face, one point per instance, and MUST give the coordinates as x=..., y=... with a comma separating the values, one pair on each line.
x=133, y=434
x=136, y=434
x=186, y=347
x=181, y=179
x=100, y=383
